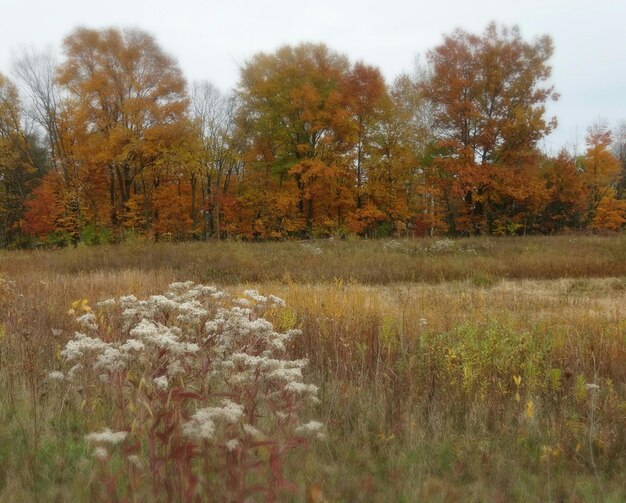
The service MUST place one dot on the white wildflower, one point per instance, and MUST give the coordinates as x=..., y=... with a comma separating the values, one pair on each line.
x=207, y=289
x=232, y=444
x=225, y=364
x=144, y=329
x=253, y=432
x=162, y=303
x=110, y=360
x=231, y=412
x=129, y=316
x=191, y=312
x=592, y=387
x=277, y=300
x=175, y=369
x=161, y=382
x=200, y=427
x=310, y=427
x=136, y=461
x=285, y=374
x=81, y=344
x=74, y=370
x=301, y=388
x=163, y=337
x=127, y=300
x=104, y=304
x=202, y=423
x=278, y=342
x=56, y=376
x=168, y=335
x=255, y=296
x=132, y=345
x=107, y=436
x=100, y=453
x=245, y=359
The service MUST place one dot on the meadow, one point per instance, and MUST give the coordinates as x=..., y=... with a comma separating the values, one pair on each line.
x=481, y=369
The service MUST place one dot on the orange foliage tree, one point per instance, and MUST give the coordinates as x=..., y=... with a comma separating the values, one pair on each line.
x=309, y=144
x=601, y=171
x=292, y=112
x=43, y=208
x=610, y=213
x=567, y=194
x=489, y=100
x=127, y=107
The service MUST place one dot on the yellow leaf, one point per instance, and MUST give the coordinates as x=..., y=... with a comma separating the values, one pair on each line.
x=530, y=409
x=316, y=495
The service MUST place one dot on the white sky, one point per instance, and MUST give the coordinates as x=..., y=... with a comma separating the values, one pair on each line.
x=211, y=39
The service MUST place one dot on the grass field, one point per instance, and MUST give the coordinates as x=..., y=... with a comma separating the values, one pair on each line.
x=468, y=370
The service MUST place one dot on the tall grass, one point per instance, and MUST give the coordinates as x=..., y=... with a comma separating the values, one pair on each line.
x=444, y=374
x=370, y=262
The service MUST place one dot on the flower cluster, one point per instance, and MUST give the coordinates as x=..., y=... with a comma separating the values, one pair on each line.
x=194, y=371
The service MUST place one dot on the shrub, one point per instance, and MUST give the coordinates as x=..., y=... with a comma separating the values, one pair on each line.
x=199, y=399
x=94, y=235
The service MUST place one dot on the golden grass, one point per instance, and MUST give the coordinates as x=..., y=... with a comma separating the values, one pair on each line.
x=416, y=410
x=482, y=260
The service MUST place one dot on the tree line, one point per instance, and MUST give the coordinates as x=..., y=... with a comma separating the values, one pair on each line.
x=111, y=142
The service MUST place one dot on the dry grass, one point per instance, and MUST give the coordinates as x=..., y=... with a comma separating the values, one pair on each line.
x=482, y=260
x=415, y=346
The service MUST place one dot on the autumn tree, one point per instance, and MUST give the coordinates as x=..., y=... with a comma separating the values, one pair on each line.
x=567, y=201
x=50, y=113
x=399, y=195
x=128, y=110
x=308, y=144
x=291, y=111
x=40, y=216
x=602, y=171
x=610, y=213
x=488, y=92
x=22, y=162
x=366, y=100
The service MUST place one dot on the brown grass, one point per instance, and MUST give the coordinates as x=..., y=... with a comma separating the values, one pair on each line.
x=482, y=260
x=415, y=411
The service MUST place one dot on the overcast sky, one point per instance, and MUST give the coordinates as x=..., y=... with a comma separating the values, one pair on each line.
x=211, y=39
